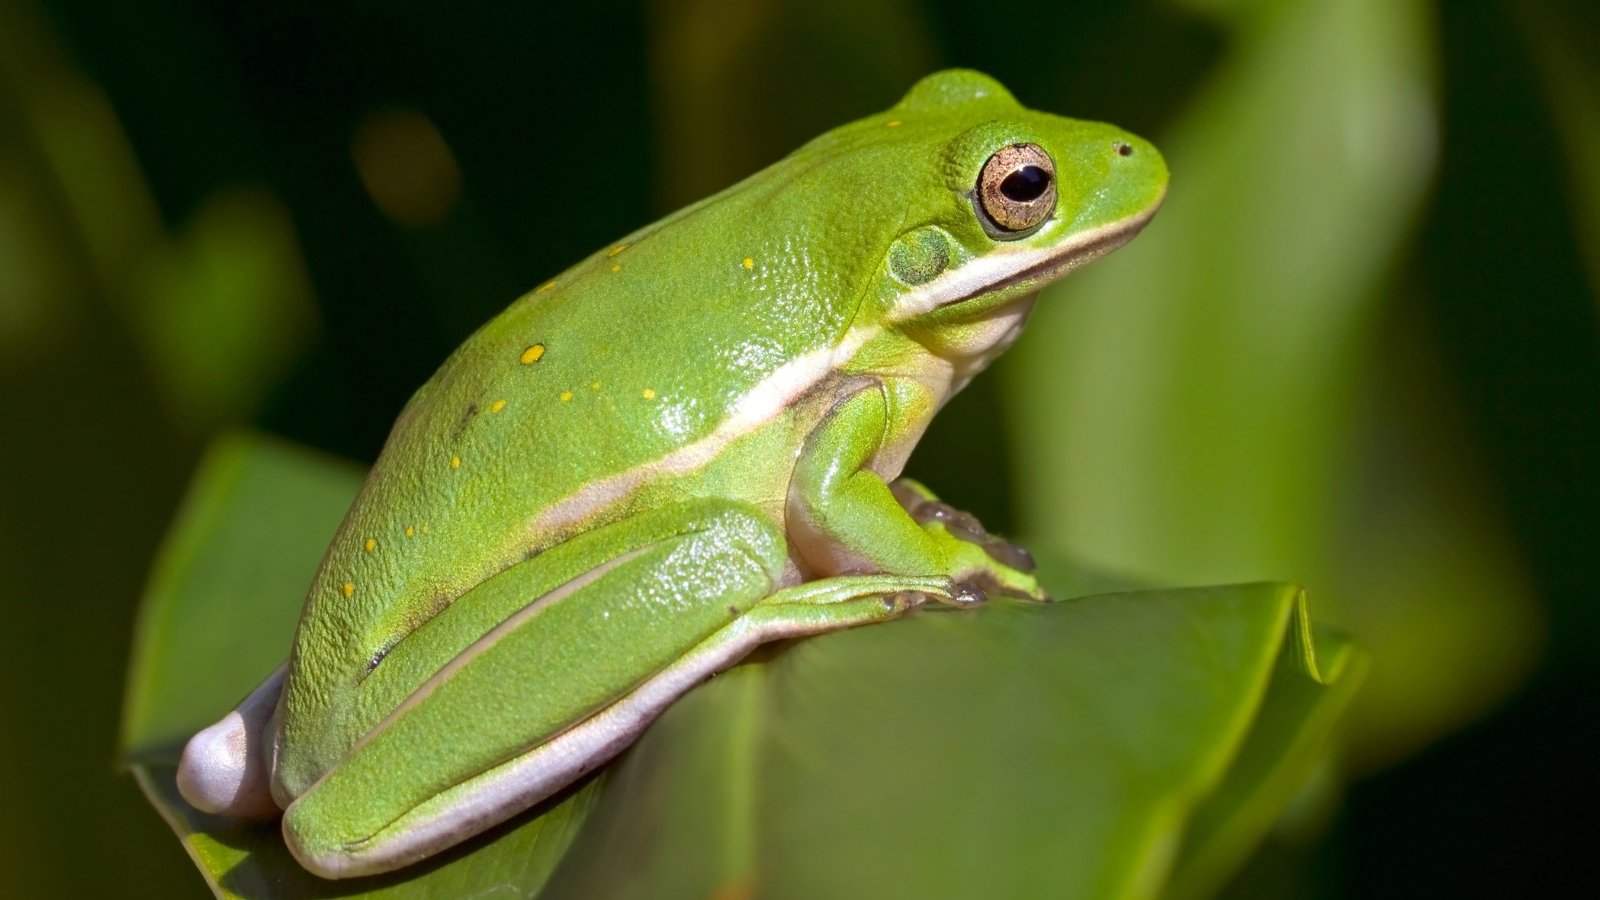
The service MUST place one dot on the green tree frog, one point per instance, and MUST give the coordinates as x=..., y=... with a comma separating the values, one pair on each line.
x=684, y=446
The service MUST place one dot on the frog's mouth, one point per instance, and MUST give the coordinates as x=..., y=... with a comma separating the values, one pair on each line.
x=1021, y=274
x=1057, y=262
x=1006, y=273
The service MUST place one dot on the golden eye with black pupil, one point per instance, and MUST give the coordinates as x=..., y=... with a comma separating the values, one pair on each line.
x=1017, y=190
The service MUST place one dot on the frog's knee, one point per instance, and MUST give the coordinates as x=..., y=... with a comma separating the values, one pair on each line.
x=226, y=768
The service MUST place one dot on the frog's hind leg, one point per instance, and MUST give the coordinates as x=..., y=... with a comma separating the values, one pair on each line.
x=517, y=663
x=547, y=696
x=226, y=767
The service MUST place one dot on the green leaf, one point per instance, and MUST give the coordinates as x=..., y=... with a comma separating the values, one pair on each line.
x=225, y=591
x=1011, y=751
x=251, y=861
x=225, y=308
x=1311, y=689
x=1018, y=749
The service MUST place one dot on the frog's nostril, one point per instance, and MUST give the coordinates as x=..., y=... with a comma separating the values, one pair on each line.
x=1123, y=148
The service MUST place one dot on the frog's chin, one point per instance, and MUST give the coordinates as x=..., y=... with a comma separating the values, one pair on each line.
x=971, y=347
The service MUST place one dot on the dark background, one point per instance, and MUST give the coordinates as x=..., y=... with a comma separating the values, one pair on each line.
x=569, y=124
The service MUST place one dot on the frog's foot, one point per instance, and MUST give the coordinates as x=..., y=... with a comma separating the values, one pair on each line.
x=226, y=767
x=1008, y=568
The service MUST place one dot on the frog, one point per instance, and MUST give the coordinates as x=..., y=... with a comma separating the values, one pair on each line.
x=688, y=445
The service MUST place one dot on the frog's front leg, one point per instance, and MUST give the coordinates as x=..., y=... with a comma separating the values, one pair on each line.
x=580, y=658
x=926, y=508
x=845, y=518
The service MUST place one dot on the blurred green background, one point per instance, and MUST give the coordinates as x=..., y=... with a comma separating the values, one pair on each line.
x=1358, y=350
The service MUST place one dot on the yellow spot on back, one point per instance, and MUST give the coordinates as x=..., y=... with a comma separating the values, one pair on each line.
x=545, y=287
x=649, y=394
x=617, y=249
x=748, y=264
x=893, y=123
x=497, y=406
x=565, y=396
x=410, y=531
x=532, y=354
x=594, y=385
x=348, y=589
x=617, y=267
x=455, y=462
x=370, y=545
x=424, y=529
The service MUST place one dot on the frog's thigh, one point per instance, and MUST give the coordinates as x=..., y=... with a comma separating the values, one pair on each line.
x=472, y=745
x=713, y=526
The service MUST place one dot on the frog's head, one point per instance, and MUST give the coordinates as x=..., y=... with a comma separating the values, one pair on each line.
x=976, y=203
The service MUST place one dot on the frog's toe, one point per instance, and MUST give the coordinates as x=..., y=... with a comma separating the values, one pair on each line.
x=911, y=494
x=1011, y=555
x=1004, y=582
x=972, y=566
x=968, y=594
x=926, y=509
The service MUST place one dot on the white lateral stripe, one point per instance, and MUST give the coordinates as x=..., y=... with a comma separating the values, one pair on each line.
x=758, y=406
x=1003, y=261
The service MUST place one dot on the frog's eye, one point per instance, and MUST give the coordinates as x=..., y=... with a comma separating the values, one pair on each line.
x=1016, y=191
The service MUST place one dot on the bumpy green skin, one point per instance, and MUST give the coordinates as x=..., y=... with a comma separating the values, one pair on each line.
x=684, y=435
